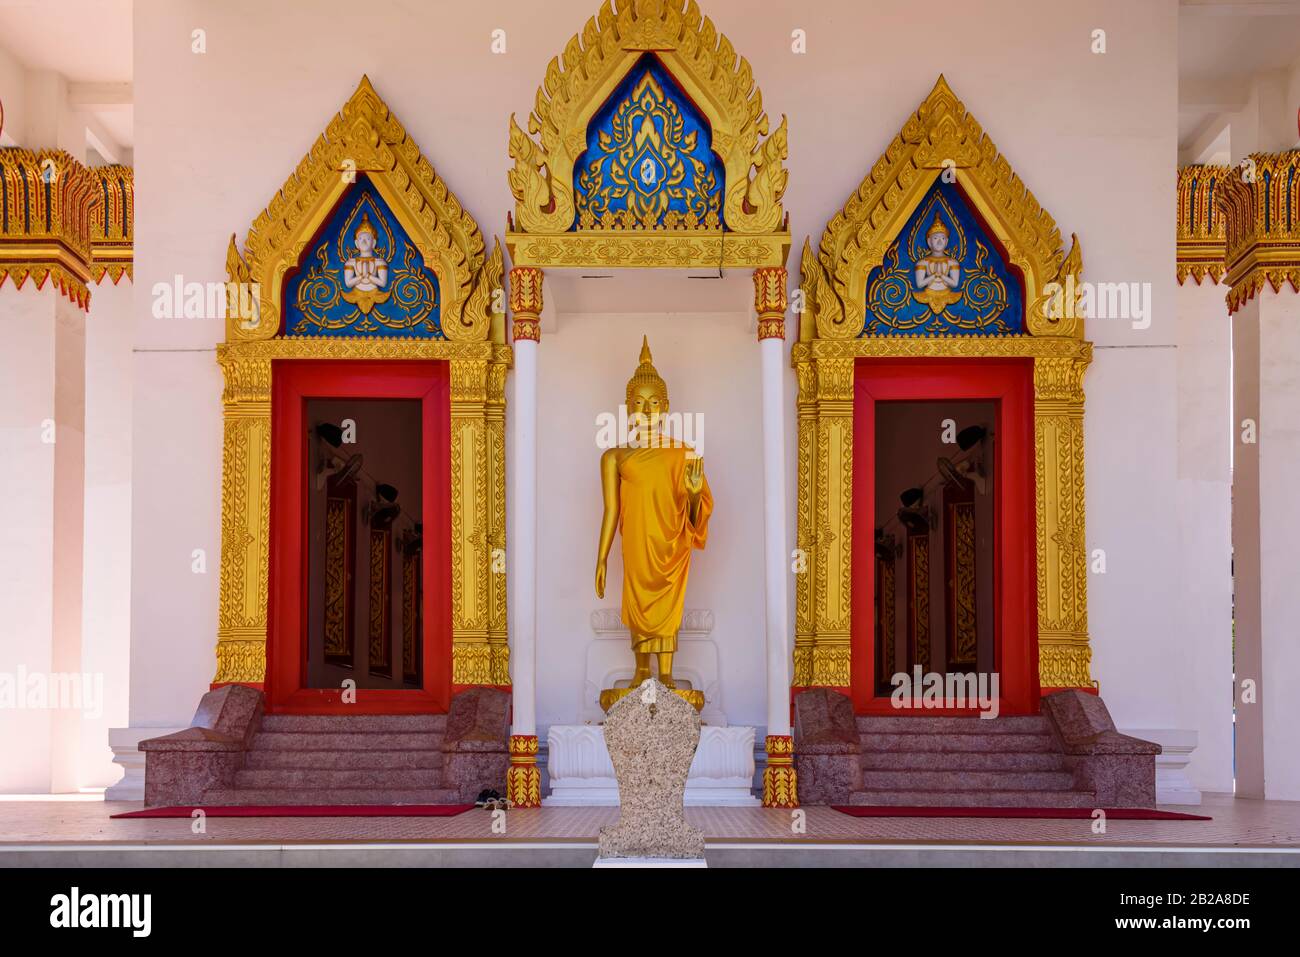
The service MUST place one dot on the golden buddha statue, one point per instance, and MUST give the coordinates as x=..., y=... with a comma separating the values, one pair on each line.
x=365, y=273
x=937, y=274
x=656, y=495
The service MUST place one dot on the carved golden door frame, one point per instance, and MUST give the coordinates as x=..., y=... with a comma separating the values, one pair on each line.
x=940, y=136
x=366, y=137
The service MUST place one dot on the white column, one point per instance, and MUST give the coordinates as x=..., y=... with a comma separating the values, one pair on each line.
x=42, y=410
x=524, y=783
x=779, y=778
x=1265, y=529
x=1204, y=502
x=772, y=353
x=523, y=534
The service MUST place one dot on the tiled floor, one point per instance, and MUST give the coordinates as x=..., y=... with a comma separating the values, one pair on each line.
x=1241, y=824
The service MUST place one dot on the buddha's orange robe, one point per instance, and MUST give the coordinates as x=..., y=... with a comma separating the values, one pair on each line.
x=658, y=536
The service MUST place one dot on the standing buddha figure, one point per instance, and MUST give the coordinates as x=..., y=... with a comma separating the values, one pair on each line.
x=656, y=496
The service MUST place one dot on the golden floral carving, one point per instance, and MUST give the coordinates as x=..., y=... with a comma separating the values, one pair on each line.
x=770, y=301
x=523, y=779
x=780, y=781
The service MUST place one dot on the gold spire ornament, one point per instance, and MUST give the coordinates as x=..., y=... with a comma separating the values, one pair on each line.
x=655, y=494
x=646, y=375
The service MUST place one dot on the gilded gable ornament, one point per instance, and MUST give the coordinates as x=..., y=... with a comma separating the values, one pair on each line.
x=365, y=146
x=649, y=146
x=941, y=136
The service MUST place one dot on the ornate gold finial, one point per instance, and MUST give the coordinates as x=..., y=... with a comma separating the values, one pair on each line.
x=646, y=374
x=936, y=227
x=366, y=226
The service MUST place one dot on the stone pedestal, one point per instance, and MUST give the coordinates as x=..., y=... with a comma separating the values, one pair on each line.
x=652, y=737
x=581, y=774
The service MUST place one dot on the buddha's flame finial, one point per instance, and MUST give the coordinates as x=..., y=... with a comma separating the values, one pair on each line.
x=646, y=374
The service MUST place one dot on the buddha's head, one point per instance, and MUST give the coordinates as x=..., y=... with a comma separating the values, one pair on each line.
x=937, y=236
x=647, y=393
x=365, y=237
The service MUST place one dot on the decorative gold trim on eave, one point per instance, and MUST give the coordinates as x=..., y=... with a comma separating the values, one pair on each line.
x=1261, y=213
x=667, y=249
x=112, y=224
x=718, y=81
x=47, y=200
x=1200, y=223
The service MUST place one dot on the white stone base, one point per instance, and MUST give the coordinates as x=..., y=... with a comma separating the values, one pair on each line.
x=1172, y=784
x=722, y=774
x=649, y=862
x=125, y=743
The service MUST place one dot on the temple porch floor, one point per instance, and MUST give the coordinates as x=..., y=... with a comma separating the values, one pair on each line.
x=49, y=832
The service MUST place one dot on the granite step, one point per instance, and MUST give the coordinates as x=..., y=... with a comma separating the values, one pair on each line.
x=964, y=780
x=974, y=798
x=960, y=742
x=341, y=760
x=350, y=778
x=274, y=796
x=355, y=723
x=344, y=741
x=906, y=724
x=962, y=761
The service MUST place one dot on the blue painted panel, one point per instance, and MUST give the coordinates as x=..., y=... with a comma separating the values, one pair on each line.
x=649, y=158
x=341, y=289
x=965, y=289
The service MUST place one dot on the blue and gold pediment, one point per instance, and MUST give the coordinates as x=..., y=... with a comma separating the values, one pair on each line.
x=649, y=161
x=944, y=275
x=362, y=276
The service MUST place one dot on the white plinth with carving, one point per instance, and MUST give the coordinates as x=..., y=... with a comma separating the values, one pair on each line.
x=1173, y=786
x=722, y=774
x=610, y=663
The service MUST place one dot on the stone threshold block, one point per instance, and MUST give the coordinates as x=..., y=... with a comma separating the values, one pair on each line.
x=181, y=767
x=1120, y=770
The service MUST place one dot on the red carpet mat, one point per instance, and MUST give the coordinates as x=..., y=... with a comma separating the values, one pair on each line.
x=304, y=810
x=1065, y=813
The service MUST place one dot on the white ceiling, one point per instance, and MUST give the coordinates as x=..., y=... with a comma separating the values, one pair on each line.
x=1222, y=44
x=87, y=41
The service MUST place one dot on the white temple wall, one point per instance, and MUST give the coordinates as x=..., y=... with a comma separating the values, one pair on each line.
x=1092, y=135
x=711, y=365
